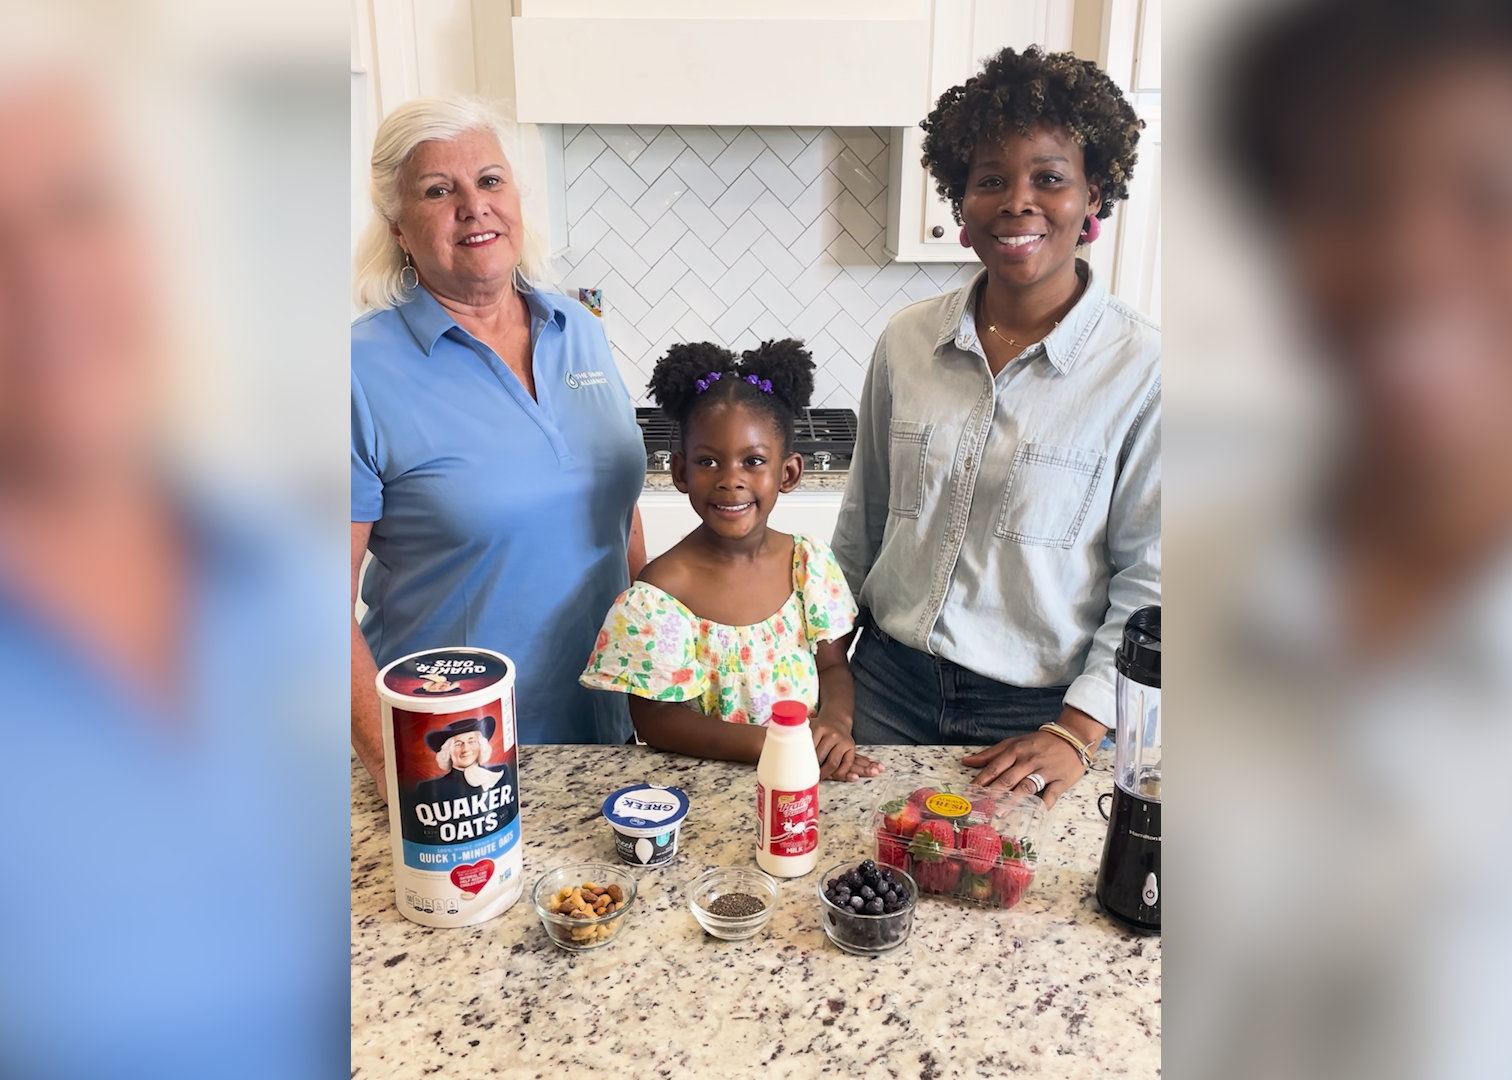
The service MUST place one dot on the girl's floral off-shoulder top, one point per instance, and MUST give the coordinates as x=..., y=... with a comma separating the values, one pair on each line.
x=654, y=647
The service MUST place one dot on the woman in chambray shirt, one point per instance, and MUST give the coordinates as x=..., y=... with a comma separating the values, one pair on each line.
x=1002, y=516
x=495, y=456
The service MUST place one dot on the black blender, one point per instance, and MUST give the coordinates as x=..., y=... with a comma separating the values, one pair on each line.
x=1128, y=880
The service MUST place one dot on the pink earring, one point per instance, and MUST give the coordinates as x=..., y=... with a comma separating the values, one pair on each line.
x=1091, y=229
x=965, y=240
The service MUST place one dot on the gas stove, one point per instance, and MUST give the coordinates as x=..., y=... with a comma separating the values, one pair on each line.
x=825, y=437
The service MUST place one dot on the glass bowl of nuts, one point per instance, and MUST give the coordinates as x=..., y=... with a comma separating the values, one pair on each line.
x=732, y=902
x=583, y=905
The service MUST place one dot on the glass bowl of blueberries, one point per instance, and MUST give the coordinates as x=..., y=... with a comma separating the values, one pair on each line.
x=868, y=910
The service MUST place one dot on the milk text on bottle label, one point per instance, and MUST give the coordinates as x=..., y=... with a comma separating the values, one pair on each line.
x=789, y=820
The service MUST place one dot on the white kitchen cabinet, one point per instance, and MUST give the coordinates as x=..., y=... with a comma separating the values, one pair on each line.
x=666, y=516
x=812, y=63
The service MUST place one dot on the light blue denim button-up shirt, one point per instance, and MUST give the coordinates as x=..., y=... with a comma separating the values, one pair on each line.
x=1009, y=524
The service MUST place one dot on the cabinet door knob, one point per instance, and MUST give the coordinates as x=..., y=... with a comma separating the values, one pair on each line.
x=937, y=232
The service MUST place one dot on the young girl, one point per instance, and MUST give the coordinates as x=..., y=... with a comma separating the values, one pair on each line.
x=736, y=615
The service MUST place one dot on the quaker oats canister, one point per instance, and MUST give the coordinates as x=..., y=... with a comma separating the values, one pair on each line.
x=453, y=784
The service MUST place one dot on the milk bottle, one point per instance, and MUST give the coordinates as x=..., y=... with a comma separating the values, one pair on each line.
x=787, y=794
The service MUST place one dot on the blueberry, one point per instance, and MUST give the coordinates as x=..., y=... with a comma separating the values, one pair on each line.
x=857, y=903
x=889, y=906
x=867, y=892
x=831, y=883
x=874, y=906
x=867, y=864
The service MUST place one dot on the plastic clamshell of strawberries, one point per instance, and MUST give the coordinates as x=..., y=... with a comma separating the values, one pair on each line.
x=958, y=839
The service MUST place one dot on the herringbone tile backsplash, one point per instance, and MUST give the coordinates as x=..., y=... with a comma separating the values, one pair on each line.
x=736, y=235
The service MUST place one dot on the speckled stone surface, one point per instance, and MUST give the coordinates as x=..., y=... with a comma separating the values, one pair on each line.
x=812, y=481
x=1050, y=988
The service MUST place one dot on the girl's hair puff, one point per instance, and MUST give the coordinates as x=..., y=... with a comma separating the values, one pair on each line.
x=786, y=366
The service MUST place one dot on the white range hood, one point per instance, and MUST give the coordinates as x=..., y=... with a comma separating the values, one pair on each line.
x=811, y=63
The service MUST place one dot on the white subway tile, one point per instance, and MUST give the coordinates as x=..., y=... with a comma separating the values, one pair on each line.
x=659, y=197
x=776, y=258
x=698, y=176
x=693, y=213
x=660, y=237
x=856, y=177
x=737, y=281
x=777, y=299
x=777, y=177
x=703, y=262
x=624, y=142
x=737, y=198
x=655, y=283
x=854, y=218
x=784, y=142
x=658, y=154
x=580, y=153
x=737, y=239
x=623, y=221
x=700, y=297
x=737, y=317
x=776, y=217
x=738, y=156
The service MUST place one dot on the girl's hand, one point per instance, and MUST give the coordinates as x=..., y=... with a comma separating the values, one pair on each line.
x=1010, y=763
x=836, y=750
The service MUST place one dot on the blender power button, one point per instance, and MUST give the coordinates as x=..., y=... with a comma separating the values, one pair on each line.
x=1151, y=891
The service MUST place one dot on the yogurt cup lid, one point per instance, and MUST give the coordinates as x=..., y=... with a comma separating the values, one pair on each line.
x=645, y=807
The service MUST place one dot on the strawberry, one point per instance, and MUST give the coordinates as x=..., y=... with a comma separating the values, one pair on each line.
x=901, y=817
x=1009, y=882
x=933, y=868
x=1010, y=879
x=892, y=851
x=976, y=887
x=982, y=807
x=980, y=847
x=920, y=797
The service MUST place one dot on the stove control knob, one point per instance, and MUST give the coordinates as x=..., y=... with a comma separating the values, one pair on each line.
x=822, y=460
x=1151, y=891
x=663, y=460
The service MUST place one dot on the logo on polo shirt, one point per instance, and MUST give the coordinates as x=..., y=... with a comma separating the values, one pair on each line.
x=579, y=379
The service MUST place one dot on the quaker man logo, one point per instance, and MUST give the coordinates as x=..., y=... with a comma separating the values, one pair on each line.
x=578, y=379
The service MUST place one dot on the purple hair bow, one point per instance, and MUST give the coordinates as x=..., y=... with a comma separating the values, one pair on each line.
x=707, y=381
x=764, y=385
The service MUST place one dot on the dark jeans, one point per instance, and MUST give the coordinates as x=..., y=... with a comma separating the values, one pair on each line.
x=907, y=697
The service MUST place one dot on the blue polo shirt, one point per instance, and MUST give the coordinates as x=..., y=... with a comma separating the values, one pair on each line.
x=500, y=521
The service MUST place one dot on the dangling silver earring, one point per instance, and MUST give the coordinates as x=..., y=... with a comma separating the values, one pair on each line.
x=409, y=268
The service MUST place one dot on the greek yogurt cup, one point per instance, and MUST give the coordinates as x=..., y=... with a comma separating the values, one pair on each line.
x=645, y=820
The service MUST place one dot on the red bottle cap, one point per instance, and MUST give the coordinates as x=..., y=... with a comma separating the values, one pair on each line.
x=789, y=713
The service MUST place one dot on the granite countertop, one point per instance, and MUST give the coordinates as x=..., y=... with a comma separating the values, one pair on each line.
x=1051, y=988
x=813, y=480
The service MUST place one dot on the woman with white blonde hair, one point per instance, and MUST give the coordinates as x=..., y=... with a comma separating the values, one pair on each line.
x=495, y=456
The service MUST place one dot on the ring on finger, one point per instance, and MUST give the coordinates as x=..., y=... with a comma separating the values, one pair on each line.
x=1037, y=780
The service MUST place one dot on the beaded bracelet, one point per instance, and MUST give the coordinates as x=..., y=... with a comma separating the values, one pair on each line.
x=1076, y=744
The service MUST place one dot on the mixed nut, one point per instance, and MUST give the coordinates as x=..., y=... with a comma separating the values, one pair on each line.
x=588, y=901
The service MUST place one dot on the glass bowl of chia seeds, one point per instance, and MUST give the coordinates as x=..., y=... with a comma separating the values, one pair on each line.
x=733, y=902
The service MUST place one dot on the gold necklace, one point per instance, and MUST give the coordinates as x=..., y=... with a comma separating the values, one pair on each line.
x=992, y=327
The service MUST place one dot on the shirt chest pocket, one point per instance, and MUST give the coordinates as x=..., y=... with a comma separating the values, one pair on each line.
x=907, y=445
x=1049, y=491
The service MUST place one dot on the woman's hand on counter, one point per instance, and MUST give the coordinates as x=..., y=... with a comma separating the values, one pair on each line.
x=1010, y=763
x=836, y=750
